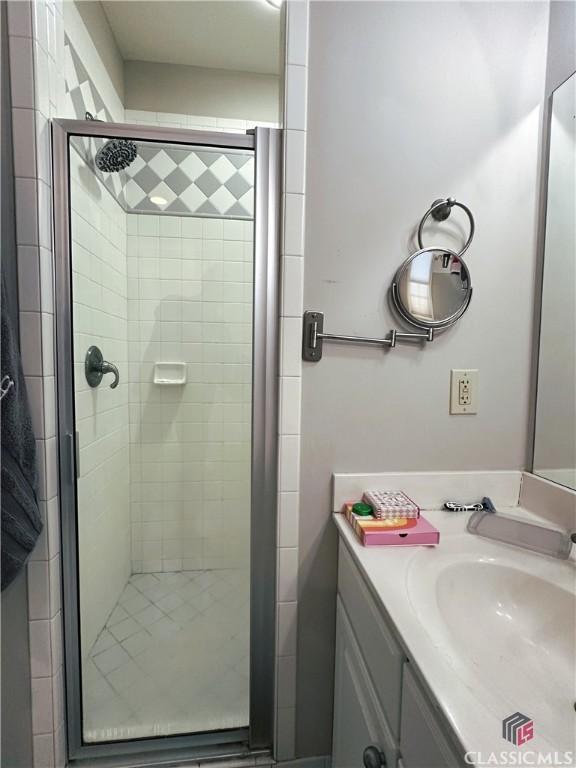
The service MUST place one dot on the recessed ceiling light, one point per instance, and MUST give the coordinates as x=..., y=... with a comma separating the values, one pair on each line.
x=158, y=200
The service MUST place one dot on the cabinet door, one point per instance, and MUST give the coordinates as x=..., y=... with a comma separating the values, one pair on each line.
x=382, y=654
x=358, y=718
x=424, y=743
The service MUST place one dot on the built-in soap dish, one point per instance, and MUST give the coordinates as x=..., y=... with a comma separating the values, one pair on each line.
x=170, y=374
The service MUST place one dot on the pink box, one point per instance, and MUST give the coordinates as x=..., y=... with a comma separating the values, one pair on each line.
x=421, y=533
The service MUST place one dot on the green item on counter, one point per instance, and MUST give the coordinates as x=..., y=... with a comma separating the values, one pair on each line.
x=362, y=509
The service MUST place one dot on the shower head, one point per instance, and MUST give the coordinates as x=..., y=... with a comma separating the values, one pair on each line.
x=116, y=155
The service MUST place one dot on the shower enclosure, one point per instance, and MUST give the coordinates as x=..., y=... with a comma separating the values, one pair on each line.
x=167, y=282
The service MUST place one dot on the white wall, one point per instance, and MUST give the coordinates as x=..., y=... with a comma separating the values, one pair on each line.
x=202, y=91
x=409, y=102
x=100, y=317
x=190, y=300
x=555, y=438
x=561, y=62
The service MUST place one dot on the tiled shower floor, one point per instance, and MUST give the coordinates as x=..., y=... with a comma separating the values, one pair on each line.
x=172, y=658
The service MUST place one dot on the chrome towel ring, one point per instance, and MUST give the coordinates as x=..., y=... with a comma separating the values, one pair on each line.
x=440, y=210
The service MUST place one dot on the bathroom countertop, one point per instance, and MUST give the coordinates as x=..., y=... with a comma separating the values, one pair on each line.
x=477, y=675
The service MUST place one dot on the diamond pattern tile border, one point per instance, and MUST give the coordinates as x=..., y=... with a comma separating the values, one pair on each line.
x=83, y=97
x=201, y=183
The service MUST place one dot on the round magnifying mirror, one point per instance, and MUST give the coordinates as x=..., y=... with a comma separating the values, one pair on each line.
x=432, y=288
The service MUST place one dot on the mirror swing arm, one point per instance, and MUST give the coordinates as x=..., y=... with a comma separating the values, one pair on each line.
x=314, y=336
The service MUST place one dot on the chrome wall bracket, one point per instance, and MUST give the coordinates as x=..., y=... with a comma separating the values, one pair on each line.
x=313, y=337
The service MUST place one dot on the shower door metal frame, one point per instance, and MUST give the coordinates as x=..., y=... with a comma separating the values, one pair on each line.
x=259, y=735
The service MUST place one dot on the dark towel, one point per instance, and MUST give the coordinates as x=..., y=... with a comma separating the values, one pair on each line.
x=21, y=521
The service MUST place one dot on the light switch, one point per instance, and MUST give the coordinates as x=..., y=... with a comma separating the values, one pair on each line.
x=464, y=391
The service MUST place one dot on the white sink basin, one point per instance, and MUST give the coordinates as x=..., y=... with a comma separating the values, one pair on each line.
x=507, y=617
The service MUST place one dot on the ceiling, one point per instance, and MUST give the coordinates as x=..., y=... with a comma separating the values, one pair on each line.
x=239, y=35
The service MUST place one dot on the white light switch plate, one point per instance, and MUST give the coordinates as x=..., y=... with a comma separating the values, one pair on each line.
x=464, y=391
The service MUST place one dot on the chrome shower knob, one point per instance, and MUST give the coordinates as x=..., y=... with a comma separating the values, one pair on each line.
x=95, y=367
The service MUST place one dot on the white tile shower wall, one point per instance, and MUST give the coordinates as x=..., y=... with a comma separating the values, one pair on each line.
x=36, y=40
x=36, y=47
x=295, y=99
x=100, y=313
x=190, y=300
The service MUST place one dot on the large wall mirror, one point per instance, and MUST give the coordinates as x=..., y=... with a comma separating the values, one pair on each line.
x=555, y=424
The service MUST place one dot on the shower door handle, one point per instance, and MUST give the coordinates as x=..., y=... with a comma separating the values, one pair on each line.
x=95, y=367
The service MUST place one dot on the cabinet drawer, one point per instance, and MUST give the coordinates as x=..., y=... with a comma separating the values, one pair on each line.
x=423, y=743
x=382, y=654
x=359, y=720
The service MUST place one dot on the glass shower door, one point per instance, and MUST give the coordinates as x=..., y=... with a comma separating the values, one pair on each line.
x=162, y=307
